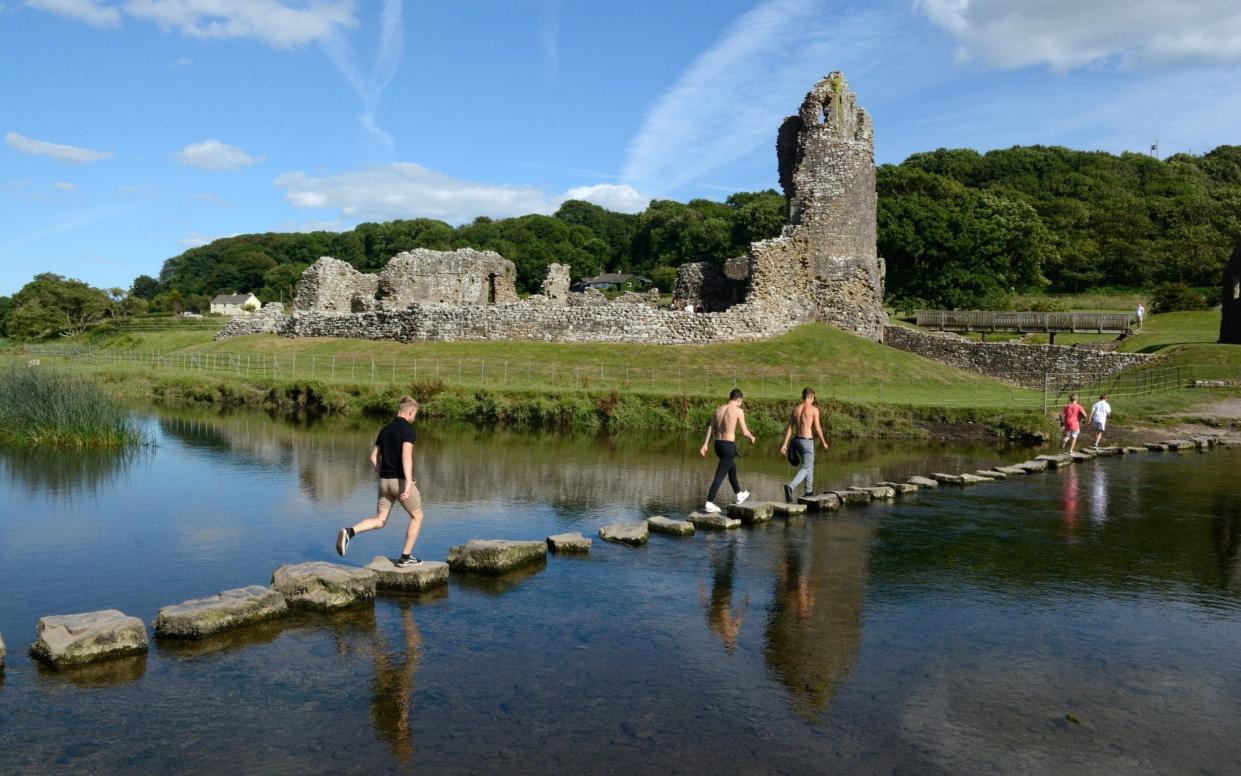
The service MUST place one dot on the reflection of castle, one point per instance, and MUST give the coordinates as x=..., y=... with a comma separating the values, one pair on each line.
x=814, y=628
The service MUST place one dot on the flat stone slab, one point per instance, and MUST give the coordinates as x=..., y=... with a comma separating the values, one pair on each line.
x=1080, y=456
x=664, y=525
x=78, y=639
x=752, y=512
x=974, y=479
x=1012, y=471
x=495, y=556
x=324, y=586
x=855, y=497
x=788, y=510
x=878, y=492
x=427, y=575
x=820, y=502
x=633, y=534
x=199, y=618
x=569, y=543
x=1103, y=451
x=1179, y=444
x=947, y=479
x=1156, y=447
x=713, y=521
x=992, y=474
x=1056, y=461
x=1034, y=466
x=900, y=488
x=923, y=482
x=1130, y=450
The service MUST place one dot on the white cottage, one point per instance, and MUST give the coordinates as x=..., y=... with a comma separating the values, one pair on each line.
x=235, y=304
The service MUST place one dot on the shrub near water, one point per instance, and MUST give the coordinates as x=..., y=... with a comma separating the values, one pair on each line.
x=39, y=406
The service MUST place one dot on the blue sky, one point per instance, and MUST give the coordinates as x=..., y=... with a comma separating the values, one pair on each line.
x=134, y=129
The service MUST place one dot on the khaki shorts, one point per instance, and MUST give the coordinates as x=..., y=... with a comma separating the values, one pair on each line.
x=390, y=493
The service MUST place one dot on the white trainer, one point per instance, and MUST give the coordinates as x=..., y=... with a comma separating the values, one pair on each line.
x=742, y=496
x=711, y=507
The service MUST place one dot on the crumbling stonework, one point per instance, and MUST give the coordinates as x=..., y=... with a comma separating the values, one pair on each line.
x=556, y=285
x=1230, y=298
x=334, y=286
x=1012, y=362
x=461, y=277
x=710, y=289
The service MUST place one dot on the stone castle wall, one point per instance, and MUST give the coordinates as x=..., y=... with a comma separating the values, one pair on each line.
x=461, y=277
x=1012, y=362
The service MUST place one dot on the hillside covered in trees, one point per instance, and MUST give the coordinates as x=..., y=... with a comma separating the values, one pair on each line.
x=958, y=228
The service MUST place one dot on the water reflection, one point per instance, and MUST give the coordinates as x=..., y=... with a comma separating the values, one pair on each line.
x=392, y=689
x=1226, y=538
x=1098, y=495
x=1069, y=500
x=723, y=618
x=814, y=626
x=63, y=475
x=109, y=673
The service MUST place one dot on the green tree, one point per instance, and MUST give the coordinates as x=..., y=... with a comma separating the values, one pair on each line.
x=144, y=287
x=51, y=303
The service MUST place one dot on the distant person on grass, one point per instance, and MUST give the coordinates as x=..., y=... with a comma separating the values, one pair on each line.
x=724, y=426
x=1141, y=314
x=393, y=459
x=1071, y=418
x=805, y=420
x=1098, y=416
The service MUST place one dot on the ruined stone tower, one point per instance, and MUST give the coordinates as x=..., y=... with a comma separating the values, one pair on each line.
x=1230, y=318
x=825, y=266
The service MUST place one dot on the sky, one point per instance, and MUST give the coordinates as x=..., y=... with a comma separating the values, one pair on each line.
x=135, y=129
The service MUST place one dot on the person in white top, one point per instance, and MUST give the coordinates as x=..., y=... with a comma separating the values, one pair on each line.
x=1098, y=416
x=1141, y=313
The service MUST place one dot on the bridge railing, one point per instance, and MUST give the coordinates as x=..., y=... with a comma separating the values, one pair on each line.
x=1021, y=322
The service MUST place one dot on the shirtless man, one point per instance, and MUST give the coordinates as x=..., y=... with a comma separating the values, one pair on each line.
x=724, y=426
x=805, y=420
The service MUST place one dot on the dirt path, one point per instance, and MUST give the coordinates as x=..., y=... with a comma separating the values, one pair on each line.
x=1229, y=409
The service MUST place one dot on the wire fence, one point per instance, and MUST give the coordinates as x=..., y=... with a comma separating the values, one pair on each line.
x=1018, y=392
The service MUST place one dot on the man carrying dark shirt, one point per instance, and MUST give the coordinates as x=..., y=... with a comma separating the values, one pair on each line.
x=393, y=459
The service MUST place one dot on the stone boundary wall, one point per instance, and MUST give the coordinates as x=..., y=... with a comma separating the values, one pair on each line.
x=531, y=320
x=1015, y=363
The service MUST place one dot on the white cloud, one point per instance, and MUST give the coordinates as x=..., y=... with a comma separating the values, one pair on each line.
x=65, y=186
x=194, y=240
x=370, y=86
x=94, y=13
x=731, y=99
x=1067, y=34
x=276, y=23
x=408, y=190
x=213, y=199
x=65, y=153
x=213, y=155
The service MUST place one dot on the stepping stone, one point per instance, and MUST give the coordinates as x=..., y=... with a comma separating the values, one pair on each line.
x=1179, y=444
x=202, y=617
x=1131, y=450
x=900, y=488
x=752, y=512
x=1079, y=457
x=713, y=521
x=1056, y=461
x=1012, y=471
x=1156, y=447
x=992, y=474
x=1101, y=451
x=855, y=497
x=923, y=482
x=495, y=556
x=820, y=502
x=633, y=534
x=1034, y=466
x=77, y=639
x=788, y=510
x=324, y=586
x=427, y=575
x=1, y=652
x=664, y=525
x=569, y=543
x=974, y=479
x=878, y=493
x=950, y=479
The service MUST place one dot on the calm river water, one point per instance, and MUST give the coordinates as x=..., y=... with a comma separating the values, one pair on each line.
x=1086, y=620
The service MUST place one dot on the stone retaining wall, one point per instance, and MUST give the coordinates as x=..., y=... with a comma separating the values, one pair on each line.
x=1009, y=361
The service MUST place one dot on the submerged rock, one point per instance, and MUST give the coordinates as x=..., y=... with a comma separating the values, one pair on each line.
x=633, y=534
x=923, y=482
x=324, y=586
x=820, y=502
x=569, y=542
x=664, y=525
x=202, y=617
x=77, y=639
x=900, y=488
x=495, y=556
x=411, y=579
x=786, y=509
x=752, y=512
x=713, y=521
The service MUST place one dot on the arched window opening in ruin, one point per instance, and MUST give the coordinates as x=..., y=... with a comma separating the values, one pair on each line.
x=491, y=289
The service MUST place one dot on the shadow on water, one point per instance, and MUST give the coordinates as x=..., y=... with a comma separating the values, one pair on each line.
x=109, y=673
x=498, y=584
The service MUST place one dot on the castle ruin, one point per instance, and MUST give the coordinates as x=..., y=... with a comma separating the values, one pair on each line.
x=1230, y=299
x=823, y=267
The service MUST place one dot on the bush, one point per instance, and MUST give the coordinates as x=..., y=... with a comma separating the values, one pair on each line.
x=1046, y=305
x=1177, y=297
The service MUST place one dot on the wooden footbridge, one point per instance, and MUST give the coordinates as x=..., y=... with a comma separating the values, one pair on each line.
x=1051, y=324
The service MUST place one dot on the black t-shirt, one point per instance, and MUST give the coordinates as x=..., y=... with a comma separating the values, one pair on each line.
x=389, y=442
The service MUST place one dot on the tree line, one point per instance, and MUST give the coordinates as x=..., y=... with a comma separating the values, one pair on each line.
x=958, y=229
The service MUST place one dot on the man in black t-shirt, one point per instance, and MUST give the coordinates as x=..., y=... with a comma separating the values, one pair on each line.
x=393, y=459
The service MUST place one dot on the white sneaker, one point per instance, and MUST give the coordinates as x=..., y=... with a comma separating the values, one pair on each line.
x=742, y=496
x=710, y=507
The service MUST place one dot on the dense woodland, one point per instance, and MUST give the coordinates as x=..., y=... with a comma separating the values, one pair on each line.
x=958, y=229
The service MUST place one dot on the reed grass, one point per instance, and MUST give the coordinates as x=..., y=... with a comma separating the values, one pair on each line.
x=50, y=408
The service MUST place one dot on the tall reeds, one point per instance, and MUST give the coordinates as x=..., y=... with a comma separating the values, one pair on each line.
x=47, y=407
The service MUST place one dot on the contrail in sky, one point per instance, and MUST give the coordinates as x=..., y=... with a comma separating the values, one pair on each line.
x=370, y=86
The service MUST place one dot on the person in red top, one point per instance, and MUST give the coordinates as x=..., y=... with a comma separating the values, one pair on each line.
x=1071, y=418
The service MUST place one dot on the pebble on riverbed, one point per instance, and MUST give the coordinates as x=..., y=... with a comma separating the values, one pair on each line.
x=664, y=525
x=569, y=543
x=410, y=579
x=78, y=639
x=202, y=617
x=324, y=586
x=495, y=556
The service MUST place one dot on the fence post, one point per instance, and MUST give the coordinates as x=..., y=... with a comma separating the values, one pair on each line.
x=372, y=370
x=294, y=366
x=1046, y=385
